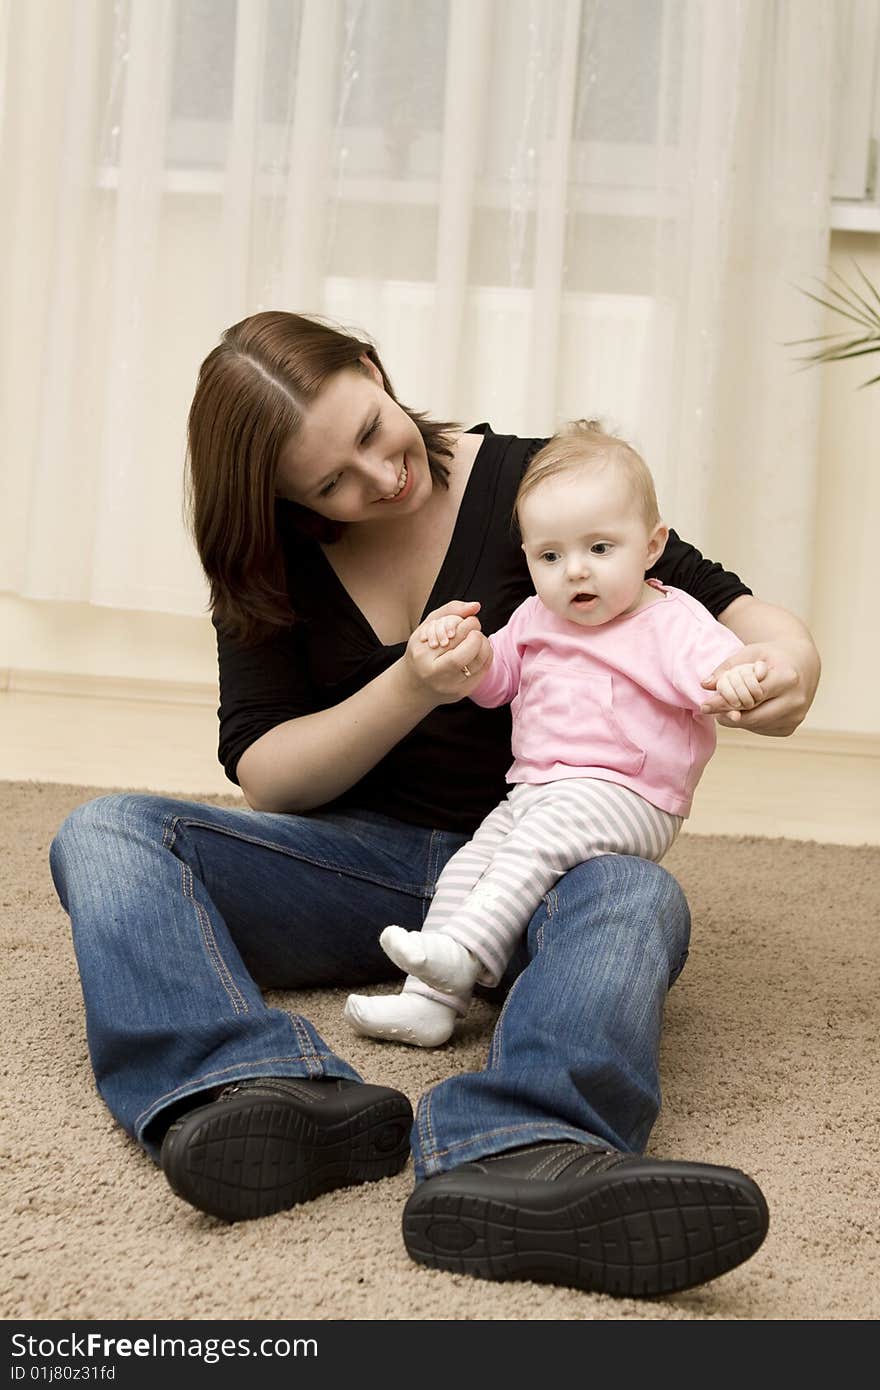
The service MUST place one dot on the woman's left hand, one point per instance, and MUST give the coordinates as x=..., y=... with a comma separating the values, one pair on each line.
x=790, y=684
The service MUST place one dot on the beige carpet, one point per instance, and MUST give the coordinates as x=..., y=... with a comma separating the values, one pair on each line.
x=770, y=1064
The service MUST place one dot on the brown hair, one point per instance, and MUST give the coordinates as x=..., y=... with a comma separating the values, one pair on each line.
x=249, y=401
x=585, y=443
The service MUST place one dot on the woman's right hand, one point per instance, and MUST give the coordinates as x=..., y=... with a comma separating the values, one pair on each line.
x=451, y=671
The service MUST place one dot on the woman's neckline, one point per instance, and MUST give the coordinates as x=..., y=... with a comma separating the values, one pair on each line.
x=471, y=483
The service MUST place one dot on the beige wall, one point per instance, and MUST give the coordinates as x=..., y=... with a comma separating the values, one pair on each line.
x=84, y=640
x=87, y=641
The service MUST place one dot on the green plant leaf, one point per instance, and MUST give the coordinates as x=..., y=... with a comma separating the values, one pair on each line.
x=847, y=303
x=819, y=338
x=855, y=296
x=845, y=313
x=839, y=354
x=871, y=287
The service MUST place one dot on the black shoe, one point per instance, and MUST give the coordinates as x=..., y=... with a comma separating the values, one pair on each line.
x=269, y=1143
x=589, y=1218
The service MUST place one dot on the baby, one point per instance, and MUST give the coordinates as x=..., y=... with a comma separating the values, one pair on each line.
x=604, y=671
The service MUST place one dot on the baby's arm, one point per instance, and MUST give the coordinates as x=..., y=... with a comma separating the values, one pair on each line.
x=694, y=643
x=499, y=668
x=741, y=686
x=704, y=647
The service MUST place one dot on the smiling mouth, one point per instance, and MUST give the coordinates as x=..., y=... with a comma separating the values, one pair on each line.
x=402, y=480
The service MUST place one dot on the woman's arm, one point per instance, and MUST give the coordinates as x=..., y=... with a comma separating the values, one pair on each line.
x=781, y=640
x=308, y=761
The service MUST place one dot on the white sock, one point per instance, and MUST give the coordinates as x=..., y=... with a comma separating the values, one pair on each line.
x=406, y=1018
x=434, y=958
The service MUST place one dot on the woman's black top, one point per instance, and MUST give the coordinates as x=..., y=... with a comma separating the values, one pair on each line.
x=448, y=772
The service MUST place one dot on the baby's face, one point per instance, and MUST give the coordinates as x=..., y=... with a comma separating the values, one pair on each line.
x=588, y=546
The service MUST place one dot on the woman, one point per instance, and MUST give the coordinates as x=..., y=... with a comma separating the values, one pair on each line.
x=329, y=519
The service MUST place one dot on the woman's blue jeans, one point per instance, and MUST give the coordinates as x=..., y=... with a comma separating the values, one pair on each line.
x=181, y=912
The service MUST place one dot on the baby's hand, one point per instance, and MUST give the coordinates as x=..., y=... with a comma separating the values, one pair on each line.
x=448, y=652
x=740, y=687
x=441, y=626
x=438, y=632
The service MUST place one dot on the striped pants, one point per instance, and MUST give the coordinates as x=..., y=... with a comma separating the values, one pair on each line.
x=487, y=893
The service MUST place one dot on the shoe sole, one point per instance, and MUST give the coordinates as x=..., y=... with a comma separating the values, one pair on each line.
x=635, y=1235
x=250, y=1158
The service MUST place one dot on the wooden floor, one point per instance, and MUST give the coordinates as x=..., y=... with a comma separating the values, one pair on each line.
x=814, y=786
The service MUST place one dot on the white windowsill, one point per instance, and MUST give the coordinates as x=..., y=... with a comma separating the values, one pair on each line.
x=598, y=199
x=847, y=214
x=854, y=215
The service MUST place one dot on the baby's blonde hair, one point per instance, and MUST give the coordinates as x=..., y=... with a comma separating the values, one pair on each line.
x=585, y=444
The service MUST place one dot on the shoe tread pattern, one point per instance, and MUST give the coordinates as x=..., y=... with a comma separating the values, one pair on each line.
x=636, y=1236
x=252, y=1160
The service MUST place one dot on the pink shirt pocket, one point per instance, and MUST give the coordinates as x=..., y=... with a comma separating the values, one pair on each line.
x=558, y=718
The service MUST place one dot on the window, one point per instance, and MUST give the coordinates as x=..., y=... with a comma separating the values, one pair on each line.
x=855, y=185
x=238, y=60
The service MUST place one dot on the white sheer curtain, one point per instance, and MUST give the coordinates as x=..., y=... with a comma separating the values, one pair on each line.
x=536, y=208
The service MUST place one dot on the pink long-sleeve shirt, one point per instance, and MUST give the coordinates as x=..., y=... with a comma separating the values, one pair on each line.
x=620, y=701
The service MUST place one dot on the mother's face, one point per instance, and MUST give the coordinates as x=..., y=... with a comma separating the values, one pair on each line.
x=357, y=457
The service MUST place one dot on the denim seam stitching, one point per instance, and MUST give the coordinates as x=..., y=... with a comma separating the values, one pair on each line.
x=506, y=1129
x=305, y=1042
x=496, y=1050
x=433, y=856
x=426, y=1128
x=412, y=889
x=224, y=974
x=189, y=1086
